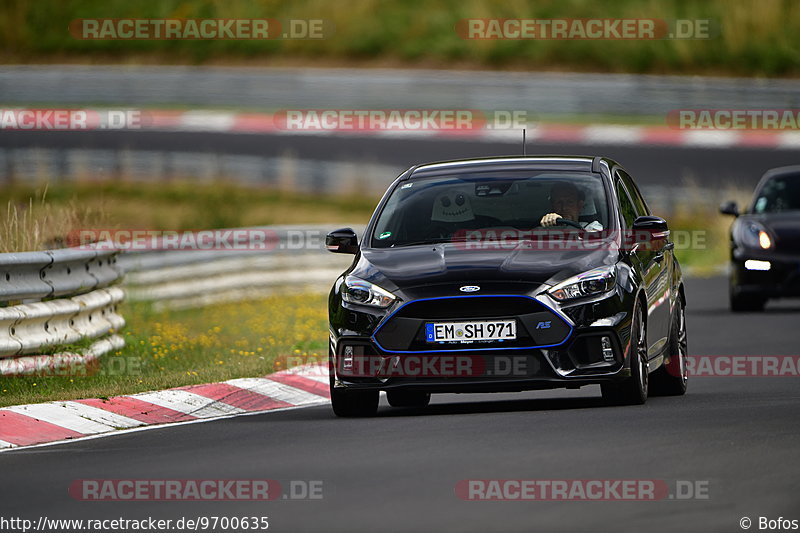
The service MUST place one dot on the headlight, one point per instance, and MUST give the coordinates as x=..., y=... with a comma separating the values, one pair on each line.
x=764, y=240
x=358, y=291
x=754, y=235
x=591, y=283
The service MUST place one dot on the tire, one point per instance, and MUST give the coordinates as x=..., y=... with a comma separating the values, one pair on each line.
x=354, y=403
x=633, y=390
x=742, y=302
x=401, y=398
x=672, y=377
x=351, y=403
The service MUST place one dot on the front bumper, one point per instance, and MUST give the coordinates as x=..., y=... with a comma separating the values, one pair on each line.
x=584, y=344
x=782, y=279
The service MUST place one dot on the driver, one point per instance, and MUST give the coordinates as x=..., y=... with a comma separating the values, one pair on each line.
x=567, y=201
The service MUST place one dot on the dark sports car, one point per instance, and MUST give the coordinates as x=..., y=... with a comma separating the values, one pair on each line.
x=507, y=274
x=765, y=242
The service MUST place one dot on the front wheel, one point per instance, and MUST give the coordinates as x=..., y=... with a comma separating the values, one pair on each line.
x=742, y=303
x=354, y=403
x=632, y=391
x=350, y=403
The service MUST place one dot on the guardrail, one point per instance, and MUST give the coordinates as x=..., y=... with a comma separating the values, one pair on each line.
x=56, y=298
x=27, y=165
x=296, y=261
x=342, y=88
x=62, y=297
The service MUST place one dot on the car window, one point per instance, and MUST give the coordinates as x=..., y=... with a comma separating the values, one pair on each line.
x=626, y=208
x=633, y=190
x=778, y=194
x=435, y=208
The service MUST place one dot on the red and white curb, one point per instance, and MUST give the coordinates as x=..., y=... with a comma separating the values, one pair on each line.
x=218, y=121
x=27, y=425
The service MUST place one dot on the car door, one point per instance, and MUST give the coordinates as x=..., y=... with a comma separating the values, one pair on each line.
x=654, y=261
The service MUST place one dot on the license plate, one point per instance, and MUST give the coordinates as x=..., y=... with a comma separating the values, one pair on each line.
x=484, y=330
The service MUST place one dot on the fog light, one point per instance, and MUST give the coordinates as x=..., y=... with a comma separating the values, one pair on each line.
x=755, y=264
x=608, y=352
x=347, y=359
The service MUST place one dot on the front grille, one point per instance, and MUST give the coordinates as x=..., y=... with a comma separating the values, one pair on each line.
x=537, y=325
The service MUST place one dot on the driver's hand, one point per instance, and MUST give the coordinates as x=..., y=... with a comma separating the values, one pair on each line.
x=549, y=219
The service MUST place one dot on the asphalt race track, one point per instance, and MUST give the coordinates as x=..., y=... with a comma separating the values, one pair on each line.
x=398, y=471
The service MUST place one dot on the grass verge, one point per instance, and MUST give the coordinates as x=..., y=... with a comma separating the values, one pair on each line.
x=41, y=217
x=174, y=348
x=753, y=37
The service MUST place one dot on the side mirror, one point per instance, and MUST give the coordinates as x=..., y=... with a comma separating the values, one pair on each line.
x=729, y=208
x=342, y=241
x=648, y=228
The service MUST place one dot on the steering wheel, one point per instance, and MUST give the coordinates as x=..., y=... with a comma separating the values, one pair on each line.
x=568, y=222
x=565, y=222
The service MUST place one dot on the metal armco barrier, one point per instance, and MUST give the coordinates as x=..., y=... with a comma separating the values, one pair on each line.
x=79, y=270
x=56, y=298
x=62, y=321
x=296, y=261
x=62, y=297
x=41, y=275
x=342, y=88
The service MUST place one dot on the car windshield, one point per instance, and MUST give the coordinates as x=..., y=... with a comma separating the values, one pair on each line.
x=778, y=194
x=443, y=208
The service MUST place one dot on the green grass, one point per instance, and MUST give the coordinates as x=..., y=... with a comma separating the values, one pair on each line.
x=700, y=250
x=703, y=245
x=174, y=348
x=43, y=216
x=756, y=37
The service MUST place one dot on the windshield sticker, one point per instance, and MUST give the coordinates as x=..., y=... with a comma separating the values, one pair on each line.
x=385, y=235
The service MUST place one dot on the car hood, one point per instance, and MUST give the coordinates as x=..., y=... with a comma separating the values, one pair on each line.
x=450, y=264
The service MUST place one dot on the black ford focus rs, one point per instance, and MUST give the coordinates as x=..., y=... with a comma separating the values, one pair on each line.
x=507, y=274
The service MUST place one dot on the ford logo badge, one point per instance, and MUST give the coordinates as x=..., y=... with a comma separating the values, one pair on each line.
x=470, y=288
